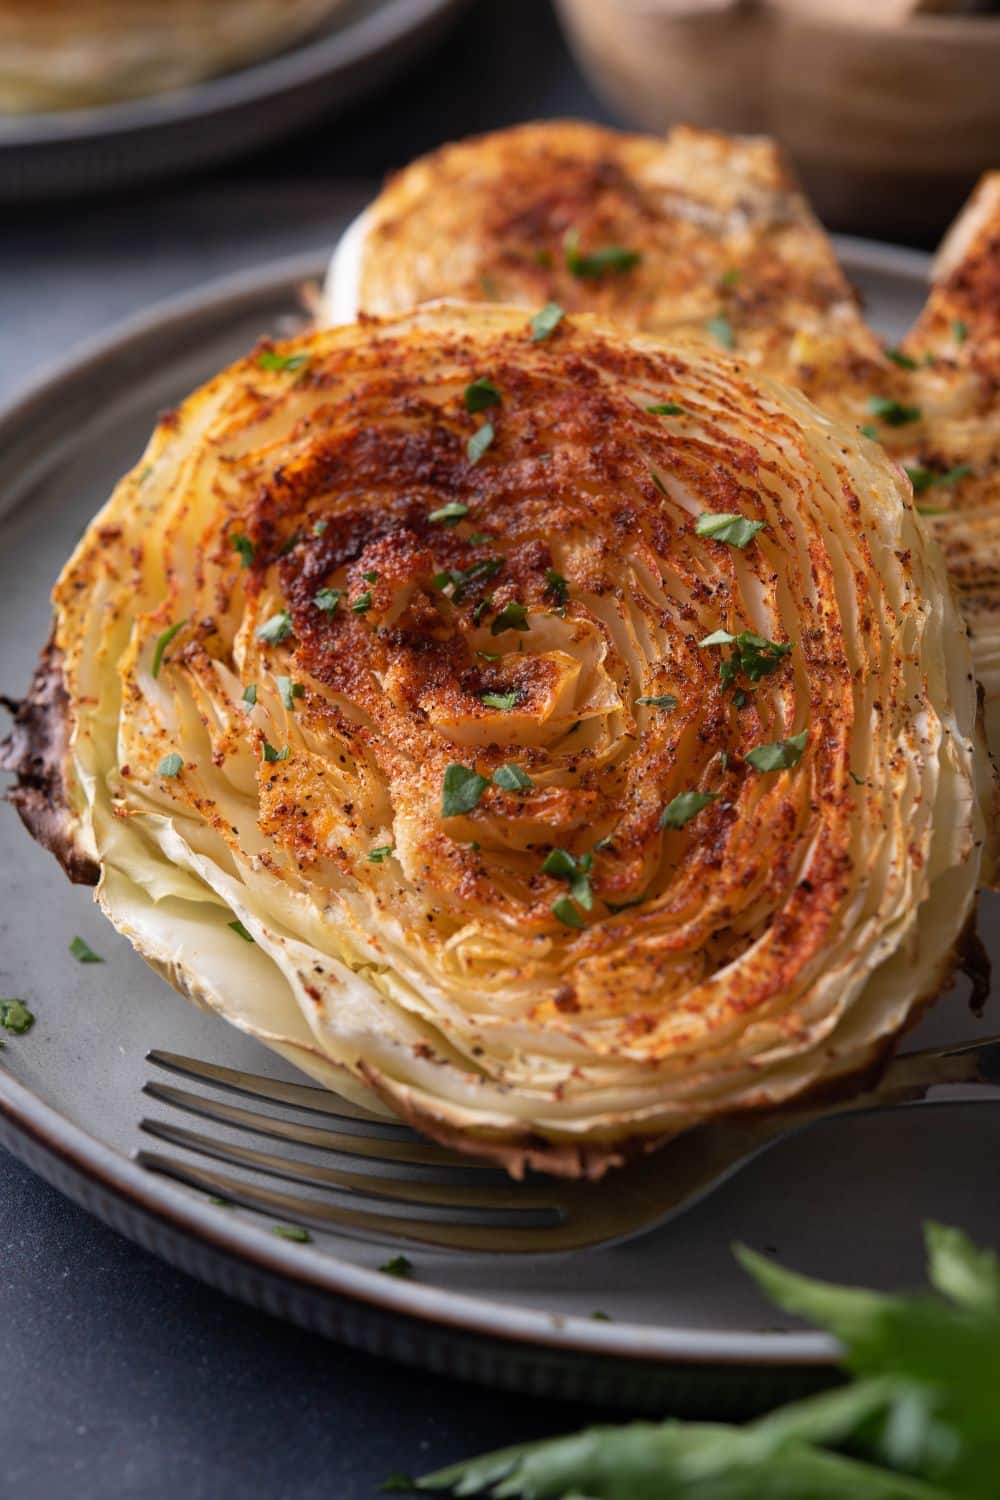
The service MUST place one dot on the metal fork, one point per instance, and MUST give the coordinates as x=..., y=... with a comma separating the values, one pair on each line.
x=375, y=1180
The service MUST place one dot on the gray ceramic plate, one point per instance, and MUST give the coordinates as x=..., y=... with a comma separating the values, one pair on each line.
x=79, y=151
x=844, y=1200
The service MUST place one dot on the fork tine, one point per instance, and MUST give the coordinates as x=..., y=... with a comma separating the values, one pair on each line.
x=377, y=1148
x=306, y=1096
x=358, y=1223
x=505, y=1202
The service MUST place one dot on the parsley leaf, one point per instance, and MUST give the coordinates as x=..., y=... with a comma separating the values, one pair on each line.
x=922, y=478
x=665, y=409
x=902, y=360
x=503, y=701
x=83, y=952
x=591, y=264
x=171, y=765
x=721, y=330
x=779, y=756
x=250, y=696
x=328, y=599
x=754, y=654
x=240, y=931
x=363, y=603
x=461, y=790
x=513, y=616
x=480, y=394
x=480, y=441
x=960, y=331
x=380, y=854
x=557, y=587
x=683, y=808
x=893, y=413
x=271, y=754
x=665, y=701
x=512, y=779
x=574, y=868
x=545, y=323
x=728, y=527
x=565, y=912
x=400, y=1265
x=293, y=1232
x=449, y=514
x=870, y=432
x=288, y=691
x=275, y=630
x=269, y=360
x=162, y=642
x=15, y=1017
x=245, y=547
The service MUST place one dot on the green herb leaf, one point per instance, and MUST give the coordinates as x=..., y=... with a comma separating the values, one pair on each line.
x=461, y=790
x=293, y=1232
x=15, y=1017
x=545, y=323
x=379, y=855
x=683, y=808
x=480, y=441
x=665, y=701
x=480, y=394
x=893, y=413
x=400, y=1266
x=858, y=780
x=449, y=514
x=398, y=1484
x=782, y=755
x=269, y=360
x=245, y=547
x=171, y=765
x=250, y=696
x=557, y=588
x=271, y=754
x=920, y=478
x=513, y=616
x=83, y=952
x=666, y=409
x=960, y=331
x=288, y=691
x=728, y=527
x=870, y=432
x=162, y=642
x=512, y=779
x=565, y=912
x=241, y=931
x=721, y=330
x=591, y=264
x=961, y=1271
x=319, y=527
x=658, y=481
x=328, y=599
x=275, y=630
x=502, y=701
x=363, y=603
x=754, y=655
x=902, y=360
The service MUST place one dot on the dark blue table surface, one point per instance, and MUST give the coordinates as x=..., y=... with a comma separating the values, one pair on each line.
x=118, y=1375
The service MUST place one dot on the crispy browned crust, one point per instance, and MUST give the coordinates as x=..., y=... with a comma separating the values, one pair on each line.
x=35, y=750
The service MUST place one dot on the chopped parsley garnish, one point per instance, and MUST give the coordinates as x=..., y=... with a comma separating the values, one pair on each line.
x=370, y=577
x=288, y=691
x=398, y=1484
x=513, y=616
x=869, y=431
x=960, y=331
x=512, y=779
x=319, y=527
x=684, y=807
x=363, y=603
x=245, y=547
x=902, y=360
x=658, y=481
x=275, y=630
x=503, y=701
x=565, y=912
x=449, y=514
x=730, y=277
x=400, y=1265
x=15, y=1017
x=480, y=394
x=162, y=642
x=293, y=1232
x=665, y=701
x=740, y=699
x=594, y=263
x=480, y=441
x=557, y=587
x=479, y=536
x=665, y=409
x=171, y=765
x=461, y=790
x=754, y=654
x=734, y=529
x=858, y=780
x=459, y=579
x=83, y=952
x=241, y=931
x=721, y=330
x=922, y=478
x=575, y=869
x=380, y=854
x=289, y=543
x=270, y=753
x=545, y=323
x=269, y=360
x=893, y=413
x=780, y=756
x=328, y=599
x=250, y=696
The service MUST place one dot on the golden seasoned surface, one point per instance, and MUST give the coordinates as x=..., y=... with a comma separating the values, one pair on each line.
x=524, y=843
x=720, y=244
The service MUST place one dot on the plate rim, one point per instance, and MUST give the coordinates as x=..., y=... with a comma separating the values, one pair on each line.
x=308, y=61
x=30, y=1120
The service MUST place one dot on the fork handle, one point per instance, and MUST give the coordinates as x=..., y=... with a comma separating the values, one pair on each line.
x=911, y=1076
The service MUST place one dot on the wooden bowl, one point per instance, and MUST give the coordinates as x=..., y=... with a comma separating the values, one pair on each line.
x=889, y=126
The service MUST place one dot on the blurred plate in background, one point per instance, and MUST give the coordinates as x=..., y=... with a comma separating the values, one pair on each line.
x=84, y=150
